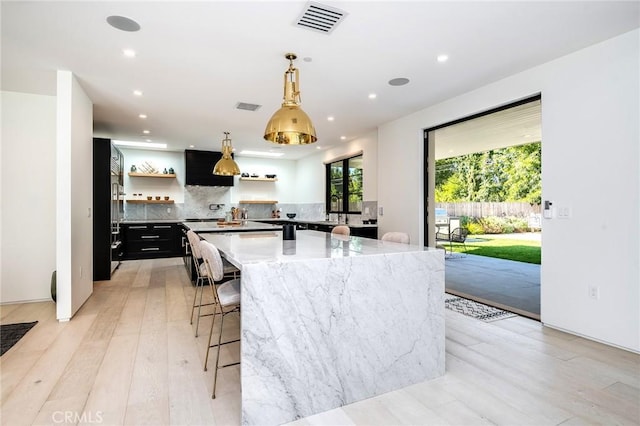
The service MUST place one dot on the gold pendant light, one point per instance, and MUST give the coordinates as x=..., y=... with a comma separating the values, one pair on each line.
x=226, y=166
x=290, y=125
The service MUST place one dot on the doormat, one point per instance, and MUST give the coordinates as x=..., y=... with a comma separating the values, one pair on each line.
x=474, y=309
x=11, y=333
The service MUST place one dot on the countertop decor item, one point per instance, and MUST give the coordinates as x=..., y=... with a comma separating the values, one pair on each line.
x=290, y=125
x=226, y=166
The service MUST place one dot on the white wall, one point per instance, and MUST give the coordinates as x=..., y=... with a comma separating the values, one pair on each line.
x=591, y=163
x=311, y=170
x=74, y=242
x=282, y=191
x=28, y=198
x=174, y=188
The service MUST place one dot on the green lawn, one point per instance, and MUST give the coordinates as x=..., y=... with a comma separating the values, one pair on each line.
x=502, y=248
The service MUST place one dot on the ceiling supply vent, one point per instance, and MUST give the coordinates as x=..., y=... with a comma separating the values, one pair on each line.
x=320, y=17
x=247, y=107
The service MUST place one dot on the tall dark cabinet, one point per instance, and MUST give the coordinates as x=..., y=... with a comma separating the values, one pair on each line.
x=108, y=210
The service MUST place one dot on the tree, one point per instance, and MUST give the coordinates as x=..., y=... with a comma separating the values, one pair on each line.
x=507, y=174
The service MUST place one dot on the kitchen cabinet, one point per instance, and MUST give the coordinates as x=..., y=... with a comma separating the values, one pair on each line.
x=356, y=231
x=369, y=232
x=199, y=168
x=108, y=163
x=152, y=240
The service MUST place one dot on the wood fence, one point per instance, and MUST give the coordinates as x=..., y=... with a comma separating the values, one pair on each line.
x=485, y=209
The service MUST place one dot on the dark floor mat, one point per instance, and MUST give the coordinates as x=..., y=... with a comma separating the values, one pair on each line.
x=10, y=334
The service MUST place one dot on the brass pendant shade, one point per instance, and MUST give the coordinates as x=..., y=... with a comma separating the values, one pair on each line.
x=290, y=125
x=226, y=166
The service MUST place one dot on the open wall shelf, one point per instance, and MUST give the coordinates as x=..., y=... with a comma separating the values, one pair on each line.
x=151, y=201
x=257, y=202
x=153, y=175
x=263, y=179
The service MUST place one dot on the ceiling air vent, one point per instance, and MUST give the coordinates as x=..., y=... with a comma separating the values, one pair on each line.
x=321, y=18
x=247, y=107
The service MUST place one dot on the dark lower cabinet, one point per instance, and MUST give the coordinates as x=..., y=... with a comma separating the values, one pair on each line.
x=368, y=232
x=365, y=232
x=152, y=240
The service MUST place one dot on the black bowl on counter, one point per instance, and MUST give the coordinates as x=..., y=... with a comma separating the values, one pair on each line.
x=291, y=215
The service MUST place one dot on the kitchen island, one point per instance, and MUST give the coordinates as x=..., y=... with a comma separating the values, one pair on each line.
x=327, y=321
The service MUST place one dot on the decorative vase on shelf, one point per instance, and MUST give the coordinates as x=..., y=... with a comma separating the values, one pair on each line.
x=164, y=172
x=133, y=168
x=171, y=171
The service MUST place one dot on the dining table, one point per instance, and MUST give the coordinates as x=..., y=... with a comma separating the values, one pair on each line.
x=329, y=320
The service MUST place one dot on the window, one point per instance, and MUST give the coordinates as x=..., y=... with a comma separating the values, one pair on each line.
x=344, y=185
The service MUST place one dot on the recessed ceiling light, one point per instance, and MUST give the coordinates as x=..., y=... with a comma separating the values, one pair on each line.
x=330, y=118
x=129, y=53
x=343, y=137
x=192, y=146
x=400, y=81
x=372, y=96
x=442, y=58
x=318, y=147
x=137, y=92
x=142, y=115
x=261, y=153
x=140, y=144
x=123, y=23
x=146, y=132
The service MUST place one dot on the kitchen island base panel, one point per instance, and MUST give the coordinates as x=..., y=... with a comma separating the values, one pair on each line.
x=324, y=333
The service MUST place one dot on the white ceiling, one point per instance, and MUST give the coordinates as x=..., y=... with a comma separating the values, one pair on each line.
x=196, y=60
x=517, y=125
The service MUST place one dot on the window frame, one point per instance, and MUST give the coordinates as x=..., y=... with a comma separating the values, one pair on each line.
x=345, y=186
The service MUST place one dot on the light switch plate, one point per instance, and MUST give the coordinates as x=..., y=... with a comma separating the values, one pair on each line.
x=564, y=212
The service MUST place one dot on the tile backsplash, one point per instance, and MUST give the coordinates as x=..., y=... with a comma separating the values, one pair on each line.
x=202, y=202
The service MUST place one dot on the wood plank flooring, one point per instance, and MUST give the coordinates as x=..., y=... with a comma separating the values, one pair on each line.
x=130, y=357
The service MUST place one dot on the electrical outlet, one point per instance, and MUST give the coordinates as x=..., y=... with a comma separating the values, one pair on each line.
x=594, y=292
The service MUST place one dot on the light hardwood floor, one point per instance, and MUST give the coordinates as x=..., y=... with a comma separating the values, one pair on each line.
x=129, y=356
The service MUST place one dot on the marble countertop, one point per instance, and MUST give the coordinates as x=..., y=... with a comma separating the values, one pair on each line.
x=210, y=223
x=245, y=248
x=324, y=303
x=248, y=226
x=152, y=221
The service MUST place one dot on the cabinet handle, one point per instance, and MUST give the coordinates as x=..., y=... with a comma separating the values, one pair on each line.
x=138, y=227
x=150, y=237
x=151, y=249
x=161, y=226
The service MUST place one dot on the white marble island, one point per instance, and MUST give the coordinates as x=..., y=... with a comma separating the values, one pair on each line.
x=327, y=322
